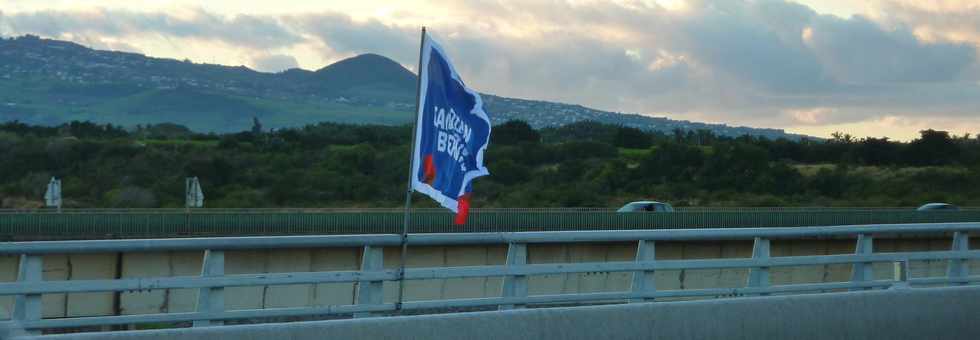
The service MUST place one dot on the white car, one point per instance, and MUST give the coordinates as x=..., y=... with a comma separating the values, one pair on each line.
x=938, y=206
x=646, y=206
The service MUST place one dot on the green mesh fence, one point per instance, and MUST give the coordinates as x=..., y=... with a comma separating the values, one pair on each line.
x=96, y=224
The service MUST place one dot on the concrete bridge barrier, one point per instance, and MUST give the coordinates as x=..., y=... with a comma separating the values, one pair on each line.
x=894, y=314
x=269, y=279
x=170, y=264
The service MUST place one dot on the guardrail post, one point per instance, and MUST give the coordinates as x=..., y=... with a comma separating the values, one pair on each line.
x=370, y=292
x=212, y=299
x=644, y=281
x=958, y=268
x=27, y=307
x=515, y=285
x=759, y=276
x=902, y=274
x=863, y=271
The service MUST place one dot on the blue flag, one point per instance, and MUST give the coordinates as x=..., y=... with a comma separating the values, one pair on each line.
x=452, y=133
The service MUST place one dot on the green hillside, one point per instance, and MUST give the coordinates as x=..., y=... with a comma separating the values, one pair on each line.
x=50, y=82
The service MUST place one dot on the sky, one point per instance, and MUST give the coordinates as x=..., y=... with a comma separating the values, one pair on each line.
x=878, y=68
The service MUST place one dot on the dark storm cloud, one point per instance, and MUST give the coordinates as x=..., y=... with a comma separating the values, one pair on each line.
x=783, y=56
x=859, y=51
x=343, y=35
x=577, y=69
x=786, y=47
x=561, y=64
x=757, y=43
x=751, y=60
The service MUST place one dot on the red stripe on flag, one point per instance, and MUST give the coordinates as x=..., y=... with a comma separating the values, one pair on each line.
x=430, y=169
x=462, y=209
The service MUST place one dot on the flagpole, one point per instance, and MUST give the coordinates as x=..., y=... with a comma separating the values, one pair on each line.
x=411, y=172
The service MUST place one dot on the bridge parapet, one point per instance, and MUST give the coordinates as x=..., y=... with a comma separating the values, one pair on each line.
x=514, y=272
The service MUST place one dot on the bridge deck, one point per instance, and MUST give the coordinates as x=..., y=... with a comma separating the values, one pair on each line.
x=938, y=313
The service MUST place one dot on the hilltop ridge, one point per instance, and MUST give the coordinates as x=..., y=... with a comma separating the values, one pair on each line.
x=44, y=81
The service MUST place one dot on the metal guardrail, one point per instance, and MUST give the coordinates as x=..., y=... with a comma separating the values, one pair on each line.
x=430, y=210
x=154, y=223
x=30, y=285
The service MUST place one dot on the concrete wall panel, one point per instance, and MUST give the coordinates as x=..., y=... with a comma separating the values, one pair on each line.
x=939, y=267
x=668, y=279
x=286, y=261
x=917, y=268
x=620, y=282
x=92, y=267
x=465, y=288
x=839, y=272
x=142, y=265
x=553, y=283
x=8, y=273
x=781, y=275
x=392, y=260
x=496, y=254
x=732, y=278
x=334, y=259
x=415, y=290
x=420, y=257
x=184, y=264
x=245, y=262
x=701, y=278
x=587, y=282
x=56, y=267
x=809, y=274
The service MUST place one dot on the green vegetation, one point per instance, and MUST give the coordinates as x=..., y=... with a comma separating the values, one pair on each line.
x=582, y=164
x=51, y=103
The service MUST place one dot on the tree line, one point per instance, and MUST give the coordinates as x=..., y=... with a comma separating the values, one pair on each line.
x=582, y=164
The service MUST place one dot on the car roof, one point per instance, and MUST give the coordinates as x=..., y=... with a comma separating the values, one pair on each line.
x=929, y=205
x=645, y=202
x=937, y=206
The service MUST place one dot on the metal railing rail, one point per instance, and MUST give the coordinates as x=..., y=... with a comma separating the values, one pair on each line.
x=30, y=286
x=133, y=224
x=438, y=210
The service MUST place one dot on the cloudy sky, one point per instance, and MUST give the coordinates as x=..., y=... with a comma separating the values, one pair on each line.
x=868, y=68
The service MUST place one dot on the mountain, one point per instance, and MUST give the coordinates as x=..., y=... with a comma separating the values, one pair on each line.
x=366, y=70
x=49, y=82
